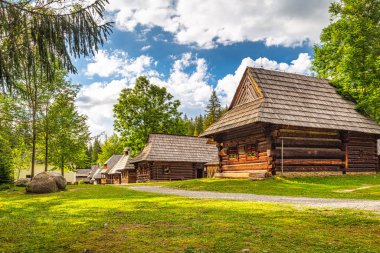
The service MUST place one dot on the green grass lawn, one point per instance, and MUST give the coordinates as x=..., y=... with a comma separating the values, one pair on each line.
x=348, y=186
x=96, y=218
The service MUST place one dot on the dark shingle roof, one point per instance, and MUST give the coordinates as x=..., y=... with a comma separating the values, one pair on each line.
x=176, y=148
x=295, y=100
x=94, y=168
x=111, y=162
x=83, y=172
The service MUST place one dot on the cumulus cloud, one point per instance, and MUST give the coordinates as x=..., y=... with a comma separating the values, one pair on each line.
x=117, y=63
x=188, y=81
x=226, y=86
x=190, y=87
x=207, y=23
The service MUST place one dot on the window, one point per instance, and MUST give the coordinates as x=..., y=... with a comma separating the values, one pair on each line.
x=166, y=170
x=241, y=149
x=232, y=153
x=252, y=151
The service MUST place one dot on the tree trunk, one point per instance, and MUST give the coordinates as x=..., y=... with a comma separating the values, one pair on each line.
x=46, y=138
x=34, y=137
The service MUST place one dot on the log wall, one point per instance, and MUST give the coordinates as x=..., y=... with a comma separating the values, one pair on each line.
x=245, y=162
x=307, y=150
x=362, y=153
x=169, y=171
x=128, y=176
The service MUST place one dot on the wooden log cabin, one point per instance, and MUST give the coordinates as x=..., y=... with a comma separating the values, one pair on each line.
x=107, y=167
x=123, y=171
x=293, y=124
x=173, y=157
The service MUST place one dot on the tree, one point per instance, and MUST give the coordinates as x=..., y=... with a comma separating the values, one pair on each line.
x=198, y=125
x=214, y=110
x=96, y=150
x=44, y=33
x=14, y=135
x=349, y=53
x=112, y=146
x=69, y=142
x=146, y=109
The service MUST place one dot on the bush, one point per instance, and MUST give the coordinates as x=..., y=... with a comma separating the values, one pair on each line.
x=81, y=182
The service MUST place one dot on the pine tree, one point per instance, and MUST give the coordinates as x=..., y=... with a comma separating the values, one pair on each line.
x=214, y=110
x=47, y=34
x=198, y=125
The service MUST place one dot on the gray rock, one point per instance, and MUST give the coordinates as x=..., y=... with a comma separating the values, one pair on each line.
x=42, y=183
x=23, y=182
x=59, y=179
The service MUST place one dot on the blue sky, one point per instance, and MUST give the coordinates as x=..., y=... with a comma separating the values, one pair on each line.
x=192, y=47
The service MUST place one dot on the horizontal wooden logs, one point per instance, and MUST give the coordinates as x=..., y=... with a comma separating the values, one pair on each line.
x=307, y=142
x=309, y=162
x=319, y=135
x=312, y=168
x=310, y=153
x=251, y=166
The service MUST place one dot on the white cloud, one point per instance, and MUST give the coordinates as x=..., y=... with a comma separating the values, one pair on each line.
x=144, y=48
x=188, y=81
x=190, y=87
x=207, y=23
x=226, y=86
x=117, y=63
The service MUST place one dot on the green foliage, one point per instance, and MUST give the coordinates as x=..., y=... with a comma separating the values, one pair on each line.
x=112, y=146
x=146, y=109
x=69, y=142
x=198, y=125
x=6, y=169
x=349, y=53
x=92, y=218
x=214, y=111
x=42, y=34
x=95, y=151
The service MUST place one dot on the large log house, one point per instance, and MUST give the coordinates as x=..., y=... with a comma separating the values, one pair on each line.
x=290, y=123
x=173, y=157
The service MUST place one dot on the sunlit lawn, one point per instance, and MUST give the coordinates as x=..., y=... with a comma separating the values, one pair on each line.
x=349, y=186
x=116, y=219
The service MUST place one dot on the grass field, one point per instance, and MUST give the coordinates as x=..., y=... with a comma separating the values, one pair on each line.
x=96, y=218
x=348, y=186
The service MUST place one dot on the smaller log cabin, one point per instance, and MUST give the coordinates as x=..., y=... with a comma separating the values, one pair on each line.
x=107, y=167
x=292, y=124
x=173, y=157
x=123, y=171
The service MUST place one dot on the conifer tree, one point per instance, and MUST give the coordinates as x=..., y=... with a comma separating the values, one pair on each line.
x=214, y=110
x=46, y=33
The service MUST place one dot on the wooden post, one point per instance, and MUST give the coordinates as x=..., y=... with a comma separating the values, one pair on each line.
x=345, y=158
x=282, y=157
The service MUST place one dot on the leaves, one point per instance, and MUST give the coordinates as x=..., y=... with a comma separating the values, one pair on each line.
x=42, y=34
x=146, y=109
x=349, y=53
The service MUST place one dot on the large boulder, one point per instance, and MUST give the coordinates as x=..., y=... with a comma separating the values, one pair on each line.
x=59, y=179
x=46, y=182
x=22, y=182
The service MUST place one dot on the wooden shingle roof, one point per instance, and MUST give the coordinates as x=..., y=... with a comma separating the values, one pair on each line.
x=111, y=162
x=122, y=164
x=176, y=148
x=294, y=100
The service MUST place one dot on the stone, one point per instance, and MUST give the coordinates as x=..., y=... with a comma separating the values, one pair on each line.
x=59, y=179
x=42, y=183
x=22, y=182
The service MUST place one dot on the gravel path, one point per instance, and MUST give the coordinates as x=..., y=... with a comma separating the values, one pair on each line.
x=373, y=205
